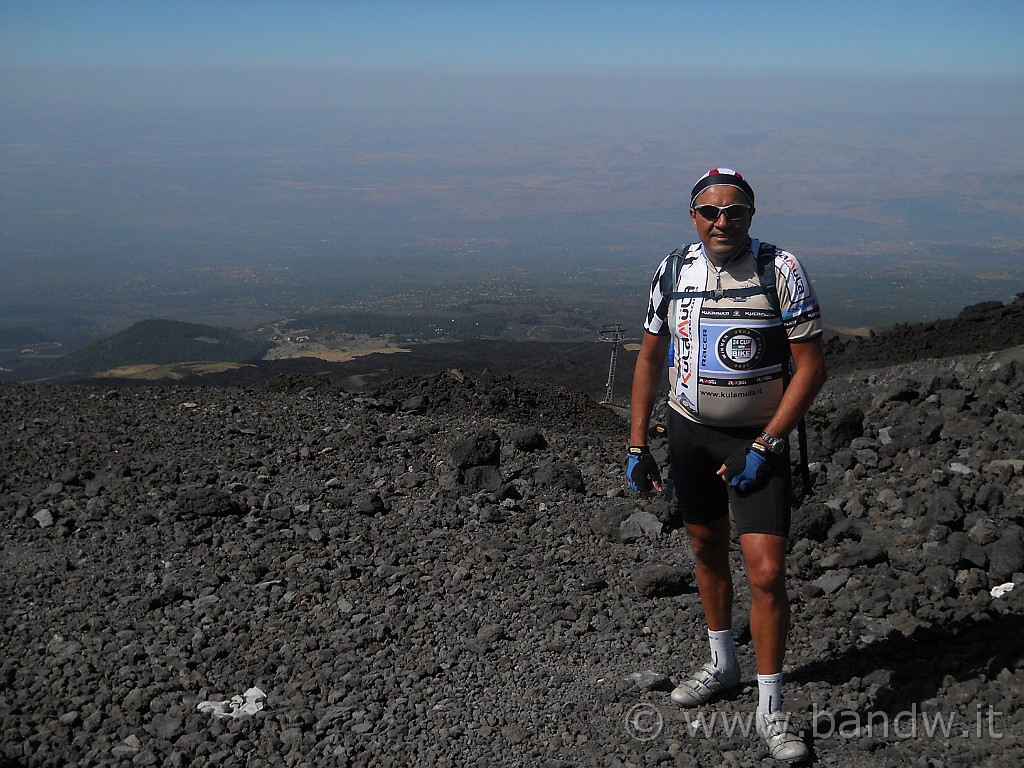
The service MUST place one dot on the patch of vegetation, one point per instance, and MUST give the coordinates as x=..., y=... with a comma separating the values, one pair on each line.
x=163, y=342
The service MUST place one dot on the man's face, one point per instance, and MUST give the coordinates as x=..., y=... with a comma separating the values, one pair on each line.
x=724, y=236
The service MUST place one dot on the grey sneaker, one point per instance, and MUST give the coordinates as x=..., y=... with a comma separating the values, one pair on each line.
x=783, y=744
x=704, y=686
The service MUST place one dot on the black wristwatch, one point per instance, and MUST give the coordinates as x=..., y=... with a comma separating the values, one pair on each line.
x=773, y=444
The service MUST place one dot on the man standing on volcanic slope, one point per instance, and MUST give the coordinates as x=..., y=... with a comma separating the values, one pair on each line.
x=732, y=310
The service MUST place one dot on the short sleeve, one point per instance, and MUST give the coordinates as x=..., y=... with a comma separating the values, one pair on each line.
x=657, y=306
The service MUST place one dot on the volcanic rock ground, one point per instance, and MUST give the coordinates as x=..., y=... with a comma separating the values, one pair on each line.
x=444, y=568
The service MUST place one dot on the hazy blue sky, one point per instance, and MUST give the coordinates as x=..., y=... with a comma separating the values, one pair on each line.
x=824, y=36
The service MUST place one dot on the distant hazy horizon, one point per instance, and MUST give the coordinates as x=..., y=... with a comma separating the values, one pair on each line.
x=237, y=142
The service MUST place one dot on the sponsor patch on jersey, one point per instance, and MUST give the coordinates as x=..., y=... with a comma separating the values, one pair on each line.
x=741, y=349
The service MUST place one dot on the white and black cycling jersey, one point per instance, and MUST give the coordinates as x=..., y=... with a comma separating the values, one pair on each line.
x=728, y=351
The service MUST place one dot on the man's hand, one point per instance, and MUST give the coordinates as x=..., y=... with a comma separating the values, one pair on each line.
x=642, y=470
x=745, y=471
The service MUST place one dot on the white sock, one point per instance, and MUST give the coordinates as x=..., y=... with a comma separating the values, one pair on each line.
x=769, y=693
x=723, y=650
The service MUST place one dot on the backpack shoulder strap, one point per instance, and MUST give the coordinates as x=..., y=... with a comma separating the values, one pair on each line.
x=682, y=256
x=670, y=277
x=765, y=261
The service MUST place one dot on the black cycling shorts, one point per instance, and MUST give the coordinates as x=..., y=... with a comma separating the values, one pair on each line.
x=697, y=452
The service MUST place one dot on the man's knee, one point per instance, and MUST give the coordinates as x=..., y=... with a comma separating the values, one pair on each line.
x=765, y=559
x=767, y=578
x=709, y=543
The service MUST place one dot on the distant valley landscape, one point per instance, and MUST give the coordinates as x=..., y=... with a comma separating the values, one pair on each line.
x=521, y=218
x=321, y=309
x=352, y=351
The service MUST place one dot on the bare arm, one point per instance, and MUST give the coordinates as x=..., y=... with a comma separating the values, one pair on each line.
x=647, y=377
x=807, y=381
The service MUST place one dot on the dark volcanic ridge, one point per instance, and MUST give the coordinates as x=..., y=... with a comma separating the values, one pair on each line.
x=445, y=569
x=988, y=326
x=583, y=366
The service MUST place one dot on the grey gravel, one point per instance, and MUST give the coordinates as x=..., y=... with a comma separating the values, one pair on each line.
x=433, y=572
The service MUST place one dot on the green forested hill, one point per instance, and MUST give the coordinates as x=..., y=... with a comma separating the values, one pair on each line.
x=163, y=342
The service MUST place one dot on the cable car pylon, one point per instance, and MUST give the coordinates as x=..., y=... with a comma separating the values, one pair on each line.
x=613, y=334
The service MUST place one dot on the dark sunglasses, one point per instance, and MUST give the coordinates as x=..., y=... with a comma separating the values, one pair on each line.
x=732, y=212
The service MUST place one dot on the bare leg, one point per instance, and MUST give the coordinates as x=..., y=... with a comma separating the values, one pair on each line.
x=710, y=544
x=765, y=557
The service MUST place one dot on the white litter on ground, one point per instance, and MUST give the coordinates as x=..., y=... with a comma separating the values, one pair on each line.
x=1003, y=589
x=246, y=705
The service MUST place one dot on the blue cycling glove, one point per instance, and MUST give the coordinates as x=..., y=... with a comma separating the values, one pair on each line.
x=641, y=469
x=746, y=471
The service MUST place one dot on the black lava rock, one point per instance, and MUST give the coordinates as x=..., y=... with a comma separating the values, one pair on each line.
x=402, y=594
